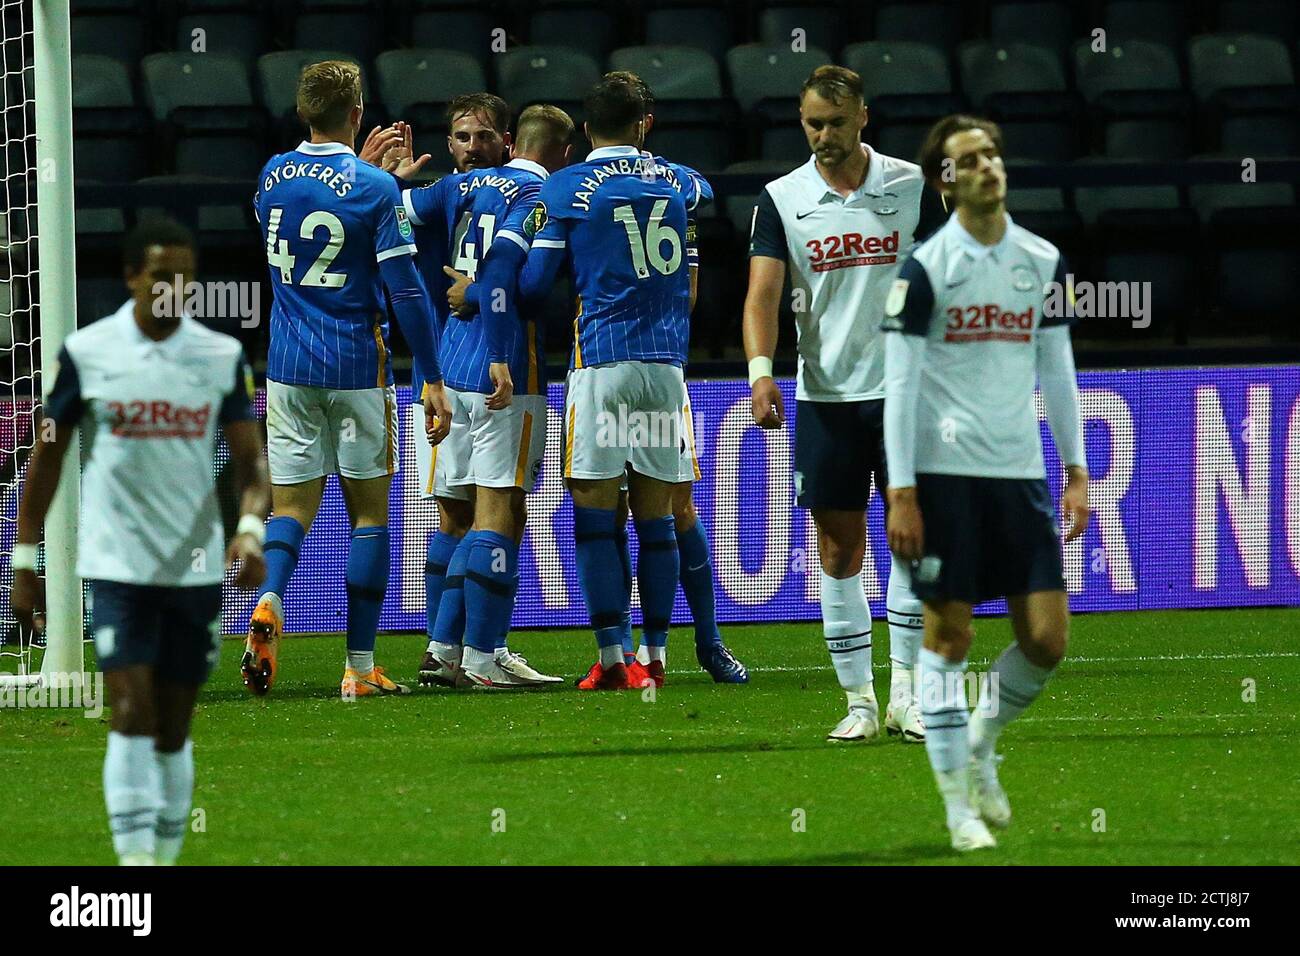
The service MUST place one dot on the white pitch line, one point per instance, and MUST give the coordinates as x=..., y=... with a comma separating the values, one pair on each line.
x=1266, y=655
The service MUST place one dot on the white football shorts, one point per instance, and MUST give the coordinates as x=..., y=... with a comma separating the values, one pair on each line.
x=312, y=432
x=628, y=413
x=433, y=463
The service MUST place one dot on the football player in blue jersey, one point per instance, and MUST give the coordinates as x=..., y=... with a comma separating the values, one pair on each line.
x=497, y=388
x=478, y=139
x=618, y=219
x=336, y=234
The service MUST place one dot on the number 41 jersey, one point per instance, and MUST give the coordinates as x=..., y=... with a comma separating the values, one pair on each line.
x=622, y=217
x=328, y=219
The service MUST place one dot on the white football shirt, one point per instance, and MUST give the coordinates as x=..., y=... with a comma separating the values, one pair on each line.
x=979, y=311
x=148, y=413
x=842, y=255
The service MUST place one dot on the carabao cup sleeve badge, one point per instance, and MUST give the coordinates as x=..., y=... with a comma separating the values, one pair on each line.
x=403, y=223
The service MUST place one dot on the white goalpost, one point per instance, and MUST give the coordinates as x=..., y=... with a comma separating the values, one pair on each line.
x=40, y=255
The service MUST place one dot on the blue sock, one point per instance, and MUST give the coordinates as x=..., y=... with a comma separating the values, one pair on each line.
x=697, y=582
x=441, y=548
x=283, y=542
x=656, y=572
x=625, y=558
x=600, y=573
x=449, y=625
x=514, y=592
x=493, y=561
x=367, y=581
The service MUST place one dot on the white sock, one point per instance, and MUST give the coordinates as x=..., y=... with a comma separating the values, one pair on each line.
x=1012, y=685
x=176, y=771
x=448, y=652
x=846, y=626
x=942, y=690
x=132, y=793
x=475, y=660
x=363, y=662
x=906, y=628
x=610, y=655
x=657, y=653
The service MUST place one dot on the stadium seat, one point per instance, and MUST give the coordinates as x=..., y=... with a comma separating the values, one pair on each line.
x=109, y=136
x=406, y=78
x=205, y=105
x=121, y=36
x=1219, y=62
x=740, y=207
x=1139, y=109
x=277, y=76
x=761, y=72
x=708, y=28
x=588, y=29
x=99, y=296
x=242, y=35
x=1043, y=23
x=1159, y=246
x=672, y=72
x=1159, y=21
x=466, y=31
x=1256, y=269
x=1246, y=86
x=355, y=31
x=1023, y=88
x=1209, y=199
x=533, y=74
x=705, y=149
x=907, y=87
x=821, y=25
x=938, y=24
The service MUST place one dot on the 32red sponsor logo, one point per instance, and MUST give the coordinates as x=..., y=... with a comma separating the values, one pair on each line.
x=160, y=419
x=978, y=323
x=850, y=249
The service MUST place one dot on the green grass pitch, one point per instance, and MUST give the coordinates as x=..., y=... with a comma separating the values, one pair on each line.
x=1141, y=751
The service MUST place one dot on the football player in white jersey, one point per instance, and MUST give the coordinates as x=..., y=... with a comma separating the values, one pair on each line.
x=148, y=386
x=971, y=325
x=839, y=225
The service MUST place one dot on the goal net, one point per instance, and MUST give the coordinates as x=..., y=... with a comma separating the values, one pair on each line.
x=37, y=310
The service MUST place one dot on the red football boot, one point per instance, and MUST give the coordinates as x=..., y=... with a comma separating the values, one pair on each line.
x=655, y=671
x=605, y=678
x=638, y=676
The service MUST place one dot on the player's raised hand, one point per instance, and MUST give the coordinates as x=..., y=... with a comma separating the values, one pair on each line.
x=505, y=386
x=766, y=403
x=437, y=412
x=247, y=550
x=377, y=145
x=456, y=292
x=27, y=597
x=904, y=526
x=1074, y=503
x=408, y=166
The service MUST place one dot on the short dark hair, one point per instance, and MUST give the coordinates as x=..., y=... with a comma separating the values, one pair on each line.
x=494, y=107
x=614, y=105
x=153, y=231
x=932, y=153
x=642, y=87
x=833, y=83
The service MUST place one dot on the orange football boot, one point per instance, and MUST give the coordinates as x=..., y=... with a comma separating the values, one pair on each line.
x=374, y=684
x=258, y=665
x=606, y=678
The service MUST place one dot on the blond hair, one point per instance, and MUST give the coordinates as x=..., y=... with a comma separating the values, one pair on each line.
x=327, y=93
x=542, y=125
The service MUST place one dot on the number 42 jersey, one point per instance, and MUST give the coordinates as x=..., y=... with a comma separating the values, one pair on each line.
x=328, y=220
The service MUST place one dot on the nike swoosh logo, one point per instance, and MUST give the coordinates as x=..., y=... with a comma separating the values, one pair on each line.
x=804, y=215
x=697, y=567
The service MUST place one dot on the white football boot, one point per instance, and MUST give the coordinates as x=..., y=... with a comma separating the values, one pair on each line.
x=987, y=797
x=860, y=723
x=507, y=671
x=971, y=834
x=904, y=720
